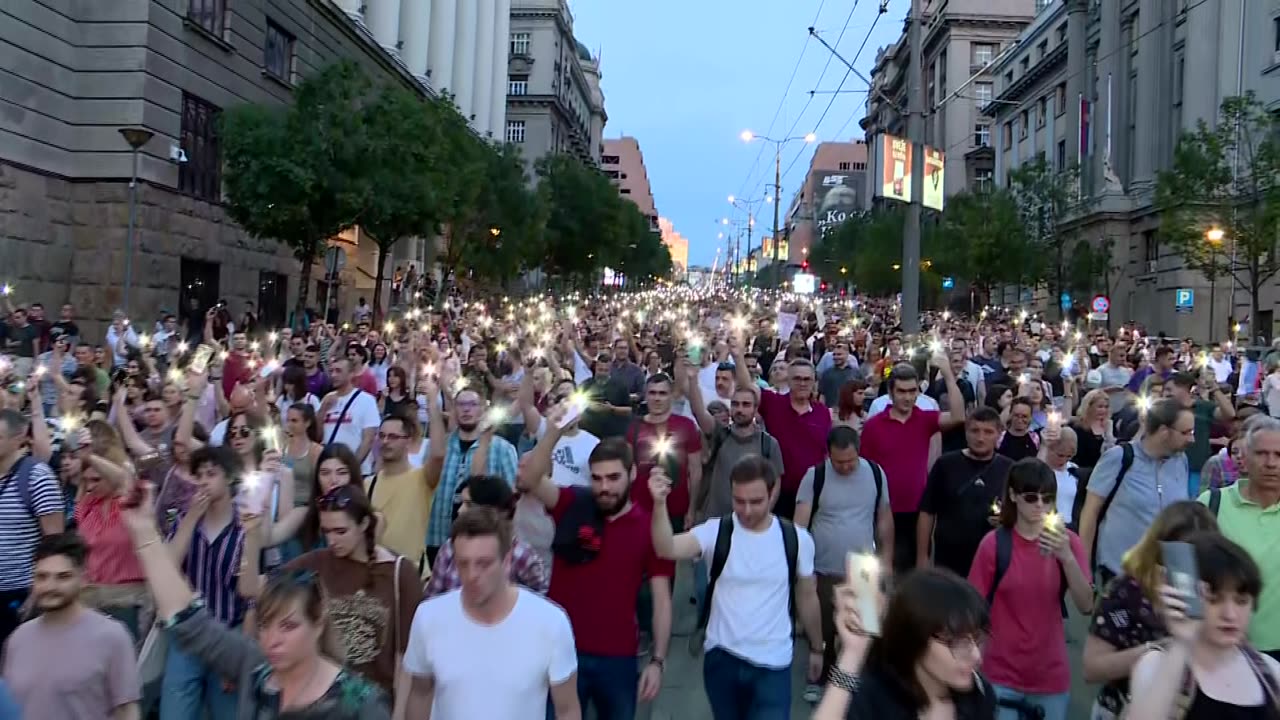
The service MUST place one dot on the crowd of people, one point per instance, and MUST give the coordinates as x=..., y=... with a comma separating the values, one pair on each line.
x=477, y=510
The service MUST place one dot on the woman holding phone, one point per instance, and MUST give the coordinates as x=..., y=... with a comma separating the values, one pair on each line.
x=1208, y=670
x=925, y=661
x=1025, y=568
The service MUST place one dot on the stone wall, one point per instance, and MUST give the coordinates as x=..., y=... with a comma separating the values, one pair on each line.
x=63, y=241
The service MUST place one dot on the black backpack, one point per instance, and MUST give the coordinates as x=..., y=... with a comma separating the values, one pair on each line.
x=1004, y=555
x=717, y=442
x=1126, y=462
x=820, y=479
x=724, y=539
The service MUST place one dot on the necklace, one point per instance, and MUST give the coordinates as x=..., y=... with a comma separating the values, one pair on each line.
x=302, y=689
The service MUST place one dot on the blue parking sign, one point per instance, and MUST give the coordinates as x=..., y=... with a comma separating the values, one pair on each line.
x=1184, y=300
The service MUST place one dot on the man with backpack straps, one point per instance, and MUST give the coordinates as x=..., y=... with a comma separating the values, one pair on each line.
x=31, y=506
x=1132, y=483
x=761, y=576
x=844, y=503
x=744, y=436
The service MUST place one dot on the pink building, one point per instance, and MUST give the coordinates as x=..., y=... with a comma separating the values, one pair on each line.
x=677, y=244
x=834, y=187
x=623, y=162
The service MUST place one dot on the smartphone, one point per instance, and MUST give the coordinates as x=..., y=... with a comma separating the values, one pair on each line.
x=1183, y=573
x=863, y=575
x=695, y=355
x=200, y=361
x=573, y=411
x=254, y=489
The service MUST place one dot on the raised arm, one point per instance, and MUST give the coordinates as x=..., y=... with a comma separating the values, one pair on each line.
x=535, y=476
x=666, y=543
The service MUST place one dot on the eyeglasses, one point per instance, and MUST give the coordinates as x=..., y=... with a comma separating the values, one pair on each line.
x=338, y=498
x=240, y=432
x=962, y=648
x=1031, y=498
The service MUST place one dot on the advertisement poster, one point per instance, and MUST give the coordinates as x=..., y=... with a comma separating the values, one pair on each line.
x=895, y=168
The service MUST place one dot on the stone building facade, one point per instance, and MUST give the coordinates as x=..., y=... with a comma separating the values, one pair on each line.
x=76, y=73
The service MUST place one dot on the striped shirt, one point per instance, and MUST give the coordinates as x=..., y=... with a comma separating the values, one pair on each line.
x=20, y=526
x=213, y=569
x=457, y=467
x=527, y=570
x=112, y=560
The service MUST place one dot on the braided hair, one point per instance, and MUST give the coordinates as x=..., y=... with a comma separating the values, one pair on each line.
x=352, y=500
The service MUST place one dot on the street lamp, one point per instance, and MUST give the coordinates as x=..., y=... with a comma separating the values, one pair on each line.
x=136, y=137
x=1214, y=236
x=778, y=143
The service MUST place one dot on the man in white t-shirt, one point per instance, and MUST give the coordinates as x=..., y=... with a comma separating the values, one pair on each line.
x=568, y=466
x=489, y=649
x=350, y=415
x=749, y=646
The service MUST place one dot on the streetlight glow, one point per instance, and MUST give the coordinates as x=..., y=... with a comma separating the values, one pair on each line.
x=1215, y=234
x=810, y=138
x=732, y=199
x=747, y=136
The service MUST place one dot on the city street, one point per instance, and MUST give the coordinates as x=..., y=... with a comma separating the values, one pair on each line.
x=683, y=698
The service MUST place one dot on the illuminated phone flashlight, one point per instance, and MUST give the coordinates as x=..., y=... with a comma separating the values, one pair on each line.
x=738, y=322
x=500, y=347
x=935, y=347
x=1022, y=316
x=271, y=438
x=144, y=340
x=255, y=345
x=496, y=416
x=224, y=355
x=175, y=375
x=695, y=342
x=982, y=315
x=273, y=336
x=1052, y=522
x=429, y=369
x=1144, y=403
x=69, y=423
x=6, y=289
x=182, y=347
x=1079, y=335
x=389, y=328
x=272, y=366
x=995, y=507
x=39, y=371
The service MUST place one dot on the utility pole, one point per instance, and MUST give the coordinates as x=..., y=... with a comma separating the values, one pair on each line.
x=910, y=316
x=777, y=206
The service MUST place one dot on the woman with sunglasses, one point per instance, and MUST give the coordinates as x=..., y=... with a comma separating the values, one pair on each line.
x=336, y=466
x=925, y=661
x=293, y=671
x=1027, y=658
x=371, y=592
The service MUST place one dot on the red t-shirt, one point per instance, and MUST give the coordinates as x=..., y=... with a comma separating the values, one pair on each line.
x=368, y=383
x=112, y=560
x=1028, y=647
x=802, y=438
x=600, y=596
x=686, y=447
x=235, y=370
x=901, y=449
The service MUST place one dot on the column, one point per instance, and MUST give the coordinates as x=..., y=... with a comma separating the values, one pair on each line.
x=1077, y=18
x=483, y=82
x=351, y=7
x=383, y=20
x=464, y=58
x=444, y=16
x=1150, y=103
x=501, y=48
x=415, y=35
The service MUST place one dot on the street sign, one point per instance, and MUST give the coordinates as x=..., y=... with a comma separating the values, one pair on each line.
x=1100, y=305
x=1184, y=300
x=1065, y=301
x=803, y=283
x=334, y=260
x=1098, y=317
x=948, y=283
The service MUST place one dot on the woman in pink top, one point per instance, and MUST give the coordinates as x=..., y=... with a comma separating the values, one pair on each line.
x=1043, y=561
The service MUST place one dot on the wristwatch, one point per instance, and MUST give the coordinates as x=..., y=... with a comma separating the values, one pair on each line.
x=845, y=681
x=658, y=660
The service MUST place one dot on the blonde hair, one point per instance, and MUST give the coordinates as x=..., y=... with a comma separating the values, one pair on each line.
x=1082, y=412
x=301, y=590
x=1176, y=522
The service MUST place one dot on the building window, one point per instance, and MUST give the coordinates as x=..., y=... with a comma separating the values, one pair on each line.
x=1060, y=156
x=1150, y=246
x=520, y=44
x=981, y=135
x=518, y=85
x=198, y=280
x=1179, y=77
x=515, y=131
x=1023, y=65
x=278, y=53
x=1041, y=4
x=930, y=86
x=942, y=75
x=1131, y=34
x=1062, y=33
x=1042, y=111
x=1008, y=79
x=983, y=93
x=273, y=299
x=1060, y=99
x=211, y=15
x=980, y=54
x=982, y=179
x=1007, y=135
x=1024, y=124
x=1041, y=50
x=1275, y=30
x=844, y=166
x=609, y=159
x=201, y=174
x=625, y=191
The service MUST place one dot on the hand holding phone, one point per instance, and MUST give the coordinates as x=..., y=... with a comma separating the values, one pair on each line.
x=862, y=573
x=1182, y=573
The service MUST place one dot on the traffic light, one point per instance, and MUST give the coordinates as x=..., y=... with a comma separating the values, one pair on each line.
x=823, y=287
x=804, y=265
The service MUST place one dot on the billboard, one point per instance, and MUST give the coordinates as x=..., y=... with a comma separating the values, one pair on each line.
x=893, y=165
x=837, y=195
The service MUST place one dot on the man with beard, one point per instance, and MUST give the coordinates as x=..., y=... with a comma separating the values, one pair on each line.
x=469, y=407
x=602, y=554
x=317, y=380
x=957, y=505
x=71, y=662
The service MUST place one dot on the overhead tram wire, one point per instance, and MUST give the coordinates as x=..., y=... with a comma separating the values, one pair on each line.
x=781, y=102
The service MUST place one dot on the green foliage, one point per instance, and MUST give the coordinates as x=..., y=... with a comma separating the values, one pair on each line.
x=981, y=239
x=497, y=231
x=1047, y=199
x=296, y=173
x=1228, y=177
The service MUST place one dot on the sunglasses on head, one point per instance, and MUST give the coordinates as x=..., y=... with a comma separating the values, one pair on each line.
x=338, y=498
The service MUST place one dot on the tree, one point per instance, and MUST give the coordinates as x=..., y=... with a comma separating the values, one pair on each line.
x=582, y=217
x=1047, y=199
x=982, y=240
x=497, y=228
x=407, y=189
x=296, y=173
x=1226, y=177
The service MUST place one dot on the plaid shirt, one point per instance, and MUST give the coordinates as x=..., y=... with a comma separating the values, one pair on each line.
x=527, y=569
x=457, y=467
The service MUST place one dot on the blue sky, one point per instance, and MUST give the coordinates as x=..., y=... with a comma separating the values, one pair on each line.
x=686, y=77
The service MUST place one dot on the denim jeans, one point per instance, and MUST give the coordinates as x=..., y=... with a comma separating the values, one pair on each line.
x=1054, y=706
x=644, y=601
x=610, y=684
x=189, y=689
x=739, y=690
